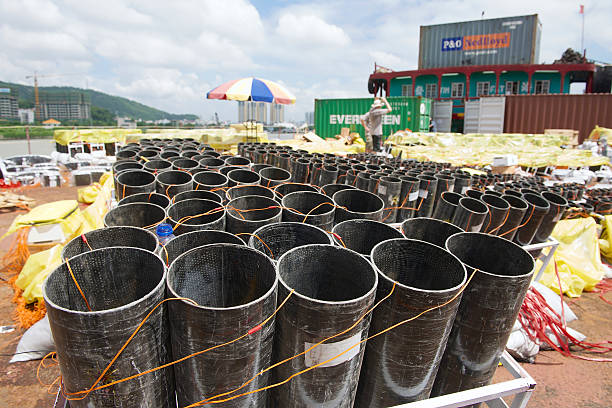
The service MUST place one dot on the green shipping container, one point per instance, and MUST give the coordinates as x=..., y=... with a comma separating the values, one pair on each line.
x=408, y=112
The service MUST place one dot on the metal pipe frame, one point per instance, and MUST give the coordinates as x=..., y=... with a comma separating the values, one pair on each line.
x=551, y=243
x=521, y=387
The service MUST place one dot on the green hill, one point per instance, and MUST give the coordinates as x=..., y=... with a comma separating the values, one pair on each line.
x=115, y=104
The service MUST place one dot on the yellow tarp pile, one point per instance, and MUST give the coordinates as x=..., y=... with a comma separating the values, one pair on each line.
x=479, y=149
x=577, y=257
x=90, y=193
x=66, y=213
x=601, y=132
x=66, y=136
x=605, y=240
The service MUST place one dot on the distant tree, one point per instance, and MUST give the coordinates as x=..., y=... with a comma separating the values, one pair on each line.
x=101, y=116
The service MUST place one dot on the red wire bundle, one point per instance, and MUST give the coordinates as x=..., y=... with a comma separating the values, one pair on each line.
x=536, y=315
x=602, y=288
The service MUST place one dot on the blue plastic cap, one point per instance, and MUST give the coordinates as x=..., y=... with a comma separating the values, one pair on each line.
x=163, y=230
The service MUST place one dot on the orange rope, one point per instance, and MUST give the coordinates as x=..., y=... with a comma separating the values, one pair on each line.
x=314, y=208
x=522, y=225
x=338, y=237
x=77, y=285
x=260, y=240
x=167, y=190
x=209, y=400
x=94, y=387
x=500, y=225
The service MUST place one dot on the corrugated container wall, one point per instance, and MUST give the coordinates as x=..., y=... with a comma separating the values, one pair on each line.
x=509, y=40
x=535, y=113
x=331, y=115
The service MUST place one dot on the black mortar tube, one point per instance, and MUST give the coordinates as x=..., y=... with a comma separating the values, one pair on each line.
x=517, y=210
x=558, y=204
x=447, y=205
x=538, y=207
x=502, y=272
x=470, y=214
x=498, y=209
x=429, y=230
x=400, y=365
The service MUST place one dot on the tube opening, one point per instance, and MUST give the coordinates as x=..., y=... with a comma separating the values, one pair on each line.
x=490, y=254
x=222, y=275
x=327, y=273
x=418, y=264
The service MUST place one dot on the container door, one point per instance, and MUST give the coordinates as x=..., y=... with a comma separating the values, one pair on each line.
x=491, y=115
x=472, y=114
x=442, y=115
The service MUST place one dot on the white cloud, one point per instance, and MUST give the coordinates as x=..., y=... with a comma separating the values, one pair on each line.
x=39, y=43
x=32, y=14
x=112, y=12
x=310, y=30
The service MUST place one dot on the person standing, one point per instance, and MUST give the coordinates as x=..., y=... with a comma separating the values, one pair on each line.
x=433, y=127
x=372, y=123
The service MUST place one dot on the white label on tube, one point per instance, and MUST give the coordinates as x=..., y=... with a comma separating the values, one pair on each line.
x=413, y=196
x=464, y=189
x=476, y=228
x=326, y=351
x=423, y=193
x=382, y=189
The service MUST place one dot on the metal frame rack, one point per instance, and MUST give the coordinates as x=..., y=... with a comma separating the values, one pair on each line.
x=521, y=387
x=551, y=243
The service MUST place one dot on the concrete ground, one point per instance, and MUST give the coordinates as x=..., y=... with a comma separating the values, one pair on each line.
x=562, y=382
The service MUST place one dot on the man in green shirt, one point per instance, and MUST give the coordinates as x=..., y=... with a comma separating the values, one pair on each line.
x=372, y=122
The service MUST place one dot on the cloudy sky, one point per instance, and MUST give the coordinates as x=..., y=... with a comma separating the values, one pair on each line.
x=168, y=54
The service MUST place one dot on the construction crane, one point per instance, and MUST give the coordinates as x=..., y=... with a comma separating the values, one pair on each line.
x=36, y=99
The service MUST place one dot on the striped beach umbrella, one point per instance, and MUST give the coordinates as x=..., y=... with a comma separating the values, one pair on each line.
x=252, y=89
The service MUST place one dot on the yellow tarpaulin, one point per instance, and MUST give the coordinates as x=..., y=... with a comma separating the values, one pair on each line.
x=601, y=132
x=35, y=271
x=605, y=240
x=89, y=194
x=577, y=257
x=66, y=136
x=480, y=149
x=94, y=214
x=65, y=212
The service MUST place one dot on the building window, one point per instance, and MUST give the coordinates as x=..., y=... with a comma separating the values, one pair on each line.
x=457, y=90
x=431, y=91
x=407, y=90
x=542, y=87
x=482, y=88
x=512, y=87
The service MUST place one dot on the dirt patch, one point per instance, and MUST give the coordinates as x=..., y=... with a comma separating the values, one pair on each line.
x=569, y=382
